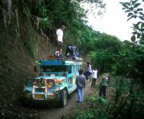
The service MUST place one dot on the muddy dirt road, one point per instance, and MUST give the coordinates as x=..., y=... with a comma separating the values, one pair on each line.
x=57, y=112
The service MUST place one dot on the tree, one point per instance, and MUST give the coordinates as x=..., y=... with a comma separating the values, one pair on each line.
x=135, y=10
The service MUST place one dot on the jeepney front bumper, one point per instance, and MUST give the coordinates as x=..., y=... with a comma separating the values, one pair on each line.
x=42, y=96
x=41, y=99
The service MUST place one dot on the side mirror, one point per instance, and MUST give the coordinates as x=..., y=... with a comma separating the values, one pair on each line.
x=30, y=82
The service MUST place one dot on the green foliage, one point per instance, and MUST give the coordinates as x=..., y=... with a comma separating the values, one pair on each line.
x=129, y=61
x=107, y=52
x=49, y=15
x=103, y=52
x=134, y=10
x=93, y=109
x=126, y=101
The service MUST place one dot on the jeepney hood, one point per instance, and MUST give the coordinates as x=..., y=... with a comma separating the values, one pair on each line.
x=52, y=83
x=51, y=77
x=49, y=80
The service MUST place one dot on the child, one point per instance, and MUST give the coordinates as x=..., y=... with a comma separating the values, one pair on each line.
x=58, y=52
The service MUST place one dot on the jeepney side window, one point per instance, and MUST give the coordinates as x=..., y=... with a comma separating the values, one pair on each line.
x=80, y=66
x=78, y=69
x=47, y=69
x=63, y=68
x=69, y=69
x=75, y=68
x=58, y=68
x=43, y=69
x=72, y=68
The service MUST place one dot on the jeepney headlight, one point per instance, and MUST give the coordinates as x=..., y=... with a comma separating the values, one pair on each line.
x=27, y=91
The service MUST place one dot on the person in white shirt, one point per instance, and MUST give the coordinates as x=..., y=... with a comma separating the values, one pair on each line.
x=94, y=77
x=59, y=38
x=89, y=72
x=58, y=52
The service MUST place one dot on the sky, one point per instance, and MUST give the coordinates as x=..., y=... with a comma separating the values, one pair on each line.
x=114, y=22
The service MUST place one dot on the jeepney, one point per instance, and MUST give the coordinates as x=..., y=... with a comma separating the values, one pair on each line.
x=54, y=83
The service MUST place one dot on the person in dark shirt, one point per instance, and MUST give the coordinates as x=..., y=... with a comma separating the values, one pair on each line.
x=71, y=51
x=80, y=82
x=103, y=85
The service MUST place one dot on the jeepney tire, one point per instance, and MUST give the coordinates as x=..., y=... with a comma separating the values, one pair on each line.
x=63, y=98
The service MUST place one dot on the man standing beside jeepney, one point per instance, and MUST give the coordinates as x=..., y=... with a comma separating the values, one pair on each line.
x=80, y=82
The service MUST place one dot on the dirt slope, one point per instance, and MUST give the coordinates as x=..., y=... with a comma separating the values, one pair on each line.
x=15, y=69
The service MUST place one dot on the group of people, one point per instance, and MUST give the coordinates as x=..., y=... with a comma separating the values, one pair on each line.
x=73, y=53
x=81, y=82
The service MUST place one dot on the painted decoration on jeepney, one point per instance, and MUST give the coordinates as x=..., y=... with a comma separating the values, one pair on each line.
x=56, y=81
x=62, y=80
x=54, y=62
x=39, y=82
x=51, y=57
x=50, y=83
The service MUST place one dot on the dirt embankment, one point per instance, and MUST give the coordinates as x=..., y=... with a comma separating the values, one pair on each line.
x=15, y=70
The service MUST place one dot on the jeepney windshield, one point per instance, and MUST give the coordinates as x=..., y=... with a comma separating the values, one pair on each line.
x=58, y=68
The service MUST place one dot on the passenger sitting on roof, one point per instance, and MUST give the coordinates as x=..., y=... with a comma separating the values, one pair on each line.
x=77, y=53
x=71, y=51
x=76, y=56
x=58, y=52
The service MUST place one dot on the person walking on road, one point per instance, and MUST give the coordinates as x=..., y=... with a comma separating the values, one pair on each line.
x=80, y=82
x=59, y=36
x=94, y=77
x=89, y=72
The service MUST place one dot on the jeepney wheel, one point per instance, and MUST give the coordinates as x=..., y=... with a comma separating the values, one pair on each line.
x=63, y=98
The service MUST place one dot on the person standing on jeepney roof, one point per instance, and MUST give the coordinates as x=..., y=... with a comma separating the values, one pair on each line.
x=80, y=82
x=59, y=36
x=89, y=71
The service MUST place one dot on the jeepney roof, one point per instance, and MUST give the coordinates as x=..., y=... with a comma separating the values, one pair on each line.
x=58, y=62
x=49, y=77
